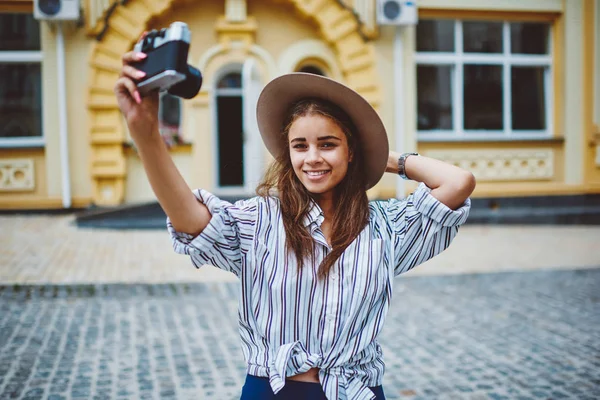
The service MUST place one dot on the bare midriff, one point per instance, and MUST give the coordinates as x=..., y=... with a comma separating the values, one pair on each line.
x=312, y=375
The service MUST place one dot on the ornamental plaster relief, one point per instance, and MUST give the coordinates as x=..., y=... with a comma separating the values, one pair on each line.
x=17, y=174
x=501, y=165
x=308, y=49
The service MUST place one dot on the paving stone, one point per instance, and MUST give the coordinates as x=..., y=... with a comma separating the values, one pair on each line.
x=526, y=335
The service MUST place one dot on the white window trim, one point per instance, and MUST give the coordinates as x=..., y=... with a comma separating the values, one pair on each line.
x=457, y=61
x=13, y=57
x=224, y=190
x=216, y=93
x=160, y=109
x=25, y=141
x=21, y=57
x=229, y=92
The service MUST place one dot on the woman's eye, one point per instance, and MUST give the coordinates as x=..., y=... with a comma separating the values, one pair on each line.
x=299, y=146
x=328, y=145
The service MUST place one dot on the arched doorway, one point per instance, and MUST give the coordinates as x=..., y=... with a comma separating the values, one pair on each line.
x=238, y=162
x=228, y=126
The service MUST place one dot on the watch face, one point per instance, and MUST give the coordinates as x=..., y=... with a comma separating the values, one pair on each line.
x=50, y=7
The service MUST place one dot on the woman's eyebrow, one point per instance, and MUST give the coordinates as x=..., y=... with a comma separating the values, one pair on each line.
x=328, y=138
x=301, y=139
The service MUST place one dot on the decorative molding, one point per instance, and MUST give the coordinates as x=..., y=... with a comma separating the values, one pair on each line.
x=17, y=174
x=501, y=165
x=295, y=54
x=235, y=10
x=33, y=202
x=522, y=6
x=596, y=142
x=337, y=24
x=229, y=32
x=366, y=11
x=97, y=13
x=16, y=6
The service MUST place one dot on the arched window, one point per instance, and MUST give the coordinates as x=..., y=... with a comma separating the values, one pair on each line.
x=313, y=65
x=169, y=118
x=312, y=69
x=229, y=127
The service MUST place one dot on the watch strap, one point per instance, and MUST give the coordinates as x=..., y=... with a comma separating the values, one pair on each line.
x=402, y=163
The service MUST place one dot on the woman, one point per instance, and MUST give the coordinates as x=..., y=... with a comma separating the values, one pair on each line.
x=315, y=259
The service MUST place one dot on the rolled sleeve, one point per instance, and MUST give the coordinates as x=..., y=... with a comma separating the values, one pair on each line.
x=423, y=227
x=222, y=242
x=431, y=207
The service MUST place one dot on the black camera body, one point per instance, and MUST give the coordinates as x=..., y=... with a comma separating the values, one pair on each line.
x=166, y=64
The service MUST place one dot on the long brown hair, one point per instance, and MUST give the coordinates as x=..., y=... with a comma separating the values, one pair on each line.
x=351, y=213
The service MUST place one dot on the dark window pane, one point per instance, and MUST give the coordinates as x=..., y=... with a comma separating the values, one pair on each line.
x=529, y=38
x=482, y=37
x=231, y=81
x=170, y=110
x=20, y=100
x=434, y=97
x=435, y=35
x=170, y=118
x=311, y=69
x=483, y=97
x=19, y=32
x=231, y=149
x=528, y=98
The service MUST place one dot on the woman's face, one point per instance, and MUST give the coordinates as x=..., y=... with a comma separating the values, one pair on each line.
x=319, y=153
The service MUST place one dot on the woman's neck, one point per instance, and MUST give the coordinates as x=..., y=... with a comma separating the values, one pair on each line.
x=325, y=202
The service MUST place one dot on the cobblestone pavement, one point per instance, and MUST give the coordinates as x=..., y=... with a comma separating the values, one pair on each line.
x=526, y=335
x=50, y=249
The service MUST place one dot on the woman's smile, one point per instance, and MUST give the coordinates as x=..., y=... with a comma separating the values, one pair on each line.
x=317, y=175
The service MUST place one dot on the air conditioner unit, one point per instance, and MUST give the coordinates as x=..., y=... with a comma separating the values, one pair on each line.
x=57, y=10
x=397, y=12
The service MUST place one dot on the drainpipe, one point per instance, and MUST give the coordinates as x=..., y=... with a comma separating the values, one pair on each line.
x=62, y=118
x=399, y=102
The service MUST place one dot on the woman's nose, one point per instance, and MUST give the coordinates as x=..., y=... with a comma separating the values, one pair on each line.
x=313, y=155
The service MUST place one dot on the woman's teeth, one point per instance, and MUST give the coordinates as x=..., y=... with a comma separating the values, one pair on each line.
x=316, y=173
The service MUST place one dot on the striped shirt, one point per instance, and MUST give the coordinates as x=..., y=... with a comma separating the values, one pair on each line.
x=290, y=321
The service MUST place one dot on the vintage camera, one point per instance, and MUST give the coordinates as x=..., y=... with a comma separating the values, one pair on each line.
x=166, y=64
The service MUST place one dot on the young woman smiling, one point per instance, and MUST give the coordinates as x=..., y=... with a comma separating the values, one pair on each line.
x=316, y=260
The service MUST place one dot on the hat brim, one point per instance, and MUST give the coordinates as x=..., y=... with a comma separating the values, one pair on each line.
x=281, y=93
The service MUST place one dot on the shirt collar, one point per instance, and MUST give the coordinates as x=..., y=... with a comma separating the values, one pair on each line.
x=315, y=214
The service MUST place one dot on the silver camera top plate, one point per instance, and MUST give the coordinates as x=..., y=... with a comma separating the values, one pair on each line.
x=176, y=31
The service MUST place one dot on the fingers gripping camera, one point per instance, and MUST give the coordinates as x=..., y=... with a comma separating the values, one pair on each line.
x=166, y=64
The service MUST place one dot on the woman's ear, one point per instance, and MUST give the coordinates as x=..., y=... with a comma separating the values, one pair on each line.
x=350, y=156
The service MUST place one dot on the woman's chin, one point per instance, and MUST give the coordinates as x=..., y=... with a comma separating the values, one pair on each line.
x=318, y=189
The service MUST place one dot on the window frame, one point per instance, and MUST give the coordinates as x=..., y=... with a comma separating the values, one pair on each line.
x=179, y=132
x=24, y=57
x=223, y=71
x=457, y=59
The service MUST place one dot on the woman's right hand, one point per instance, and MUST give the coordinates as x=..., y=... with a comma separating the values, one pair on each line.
x=141, y=113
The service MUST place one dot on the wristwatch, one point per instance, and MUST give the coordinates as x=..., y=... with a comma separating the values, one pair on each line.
x=401, y=162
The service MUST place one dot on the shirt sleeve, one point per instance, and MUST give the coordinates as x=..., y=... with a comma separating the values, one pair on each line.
x=422, y=227
x=224, y=242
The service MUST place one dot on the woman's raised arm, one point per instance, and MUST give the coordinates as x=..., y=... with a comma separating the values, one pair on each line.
x=174, y=195
x=450, y=184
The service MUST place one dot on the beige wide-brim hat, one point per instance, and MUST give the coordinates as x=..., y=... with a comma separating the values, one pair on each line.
x=282, y=92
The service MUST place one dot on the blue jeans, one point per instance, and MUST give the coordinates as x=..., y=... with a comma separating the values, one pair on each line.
x=257, y=388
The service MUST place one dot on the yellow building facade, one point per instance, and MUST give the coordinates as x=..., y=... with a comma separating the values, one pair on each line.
x=508, y=90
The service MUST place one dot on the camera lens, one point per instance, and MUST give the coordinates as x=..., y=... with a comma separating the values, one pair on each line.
x=190, y=86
